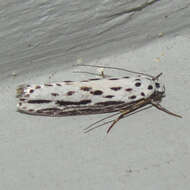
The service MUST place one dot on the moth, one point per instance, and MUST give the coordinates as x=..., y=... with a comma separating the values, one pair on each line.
x=123, y=95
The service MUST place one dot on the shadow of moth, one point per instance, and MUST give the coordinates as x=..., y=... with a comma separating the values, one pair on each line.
x=123, y=95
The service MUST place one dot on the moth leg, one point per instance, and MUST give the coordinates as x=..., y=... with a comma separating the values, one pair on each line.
x=158, y=106
x=130, y=110
x=116, y=120
x=123, y=113
x=94, y=126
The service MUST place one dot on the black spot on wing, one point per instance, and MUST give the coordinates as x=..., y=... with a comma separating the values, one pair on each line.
x=48, y=110
x=37, y=87
x=97, y=92
x=95, y=79
x=107, y=103
x=150, y=87
x=30, y=110
x=128, y=89
x=68, y=82
x=109, y=96
x=116, y=88
x=48, y=85
x=68, y=103
x=132, y=97
x=126, y=77
x=70, y=93
x=38, y=101
x=113, y=79
x=31, y=91
x=54, y=94
x=85, y=88
x=22, y=99
x=85, y=102
x=137, y=84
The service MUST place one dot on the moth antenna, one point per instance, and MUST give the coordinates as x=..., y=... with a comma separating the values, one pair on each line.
x=156, y=77
x=158, y=106
x=114, y=122
x=116, y=68
x=86, y=72
x=97, y=126
x=93, y=124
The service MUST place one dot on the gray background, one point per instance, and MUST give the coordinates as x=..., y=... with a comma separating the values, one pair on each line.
x=41, y=40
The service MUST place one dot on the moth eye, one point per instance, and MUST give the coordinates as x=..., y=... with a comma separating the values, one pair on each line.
x=157, y=85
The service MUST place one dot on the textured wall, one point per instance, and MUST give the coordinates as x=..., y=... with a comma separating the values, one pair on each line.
x=41, y=34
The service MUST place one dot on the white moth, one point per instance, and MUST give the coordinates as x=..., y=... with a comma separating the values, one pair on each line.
x=123, y=95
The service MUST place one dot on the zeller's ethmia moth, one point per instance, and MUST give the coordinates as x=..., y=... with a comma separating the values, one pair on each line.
x=124, y=95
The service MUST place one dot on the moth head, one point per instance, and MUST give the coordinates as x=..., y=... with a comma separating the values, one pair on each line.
x=159, y=91
x=159, y=88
